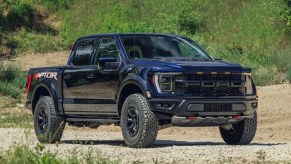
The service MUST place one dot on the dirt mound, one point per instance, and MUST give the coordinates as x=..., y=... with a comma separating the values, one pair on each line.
x=33, y=60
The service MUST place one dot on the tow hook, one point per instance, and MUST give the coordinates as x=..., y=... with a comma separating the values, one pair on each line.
x=227, y=127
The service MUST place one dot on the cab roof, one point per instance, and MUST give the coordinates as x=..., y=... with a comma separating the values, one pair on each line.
x=127, y=34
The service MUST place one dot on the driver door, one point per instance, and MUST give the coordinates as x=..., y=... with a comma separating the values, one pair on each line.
x=104, y=71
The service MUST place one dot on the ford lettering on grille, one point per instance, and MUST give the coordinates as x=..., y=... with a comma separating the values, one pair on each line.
x=210, y=85
x=220, y=84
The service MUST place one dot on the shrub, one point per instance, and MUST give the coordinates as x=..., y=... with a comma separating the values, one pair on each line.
x=23, y=154
x=2, y=19
x=20, y=14
x=28, y=41
x=54, y=5
x=189, y=22
x=12, y=82
x=286, y=14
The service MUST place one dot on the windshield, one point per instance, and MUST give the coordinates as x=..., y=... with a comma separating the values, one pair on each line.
x=162, y=47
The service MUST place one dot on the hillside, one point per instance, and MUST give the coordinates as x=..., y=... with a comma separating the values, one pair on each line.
x=256, y=34
x=253, y=33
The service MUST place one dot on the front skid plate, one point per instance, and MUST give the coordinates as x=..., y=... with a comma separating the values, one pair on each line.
x=204, y=121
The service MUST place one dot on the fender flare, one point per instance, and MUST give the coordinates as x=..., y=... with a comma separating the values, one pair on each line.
x=47, y=84
x=134, y=79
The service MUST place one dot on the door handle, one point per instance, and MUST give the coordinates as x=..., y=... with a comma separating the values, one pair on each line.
x=90, y=76
x=67, y=76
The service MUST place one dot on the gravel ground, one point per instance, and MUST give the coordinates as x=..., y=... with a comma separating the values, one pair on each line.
x=169, y=147
x=181, y=145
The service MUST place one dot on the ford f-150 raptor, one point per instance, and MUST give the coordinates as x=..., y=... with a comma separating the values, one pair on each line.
x=142, y=82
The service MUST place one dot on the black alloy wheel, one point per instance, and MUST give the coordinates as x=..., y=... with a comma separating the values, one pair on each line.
x=132, y=121
x=42, y=120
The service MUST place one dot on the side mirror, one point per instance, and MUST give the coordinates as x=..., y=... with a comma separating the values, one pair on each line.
x=109, y=63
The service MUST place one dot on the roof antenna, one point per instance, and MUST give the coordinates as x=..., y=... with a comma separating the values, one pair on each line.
x=134, y=38
x=134, y=17
x=134, y=31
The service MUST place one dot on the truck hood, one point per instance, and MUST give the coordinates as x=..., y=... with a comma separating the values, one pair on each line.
x=190, y=66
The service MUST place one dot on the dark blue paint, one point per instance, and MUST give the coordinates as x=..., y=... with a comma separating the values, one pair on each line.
x=136, y=71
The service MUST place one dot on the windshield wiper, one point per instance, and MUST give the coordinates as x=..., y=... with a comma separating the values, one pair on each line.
x=178, y=59
x=198, y=59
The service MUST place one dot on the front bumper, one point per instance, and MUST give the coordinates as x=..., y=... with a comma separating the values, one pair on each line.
x=181, y=108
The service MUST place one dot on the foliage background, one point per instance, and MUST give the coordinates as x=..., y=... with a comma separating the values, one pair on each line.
x=255, y=33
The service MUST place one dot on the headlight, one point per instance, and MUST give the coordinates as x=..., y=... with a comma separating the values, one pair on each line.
x=165, y=82
x=248, y=83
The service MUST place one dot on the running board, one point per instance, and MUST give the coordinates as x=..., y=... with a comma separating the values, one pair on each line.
x=92, y=120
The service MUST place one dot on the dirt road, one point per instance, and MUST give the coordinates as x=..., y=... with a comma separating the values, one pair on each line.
x=185, y=145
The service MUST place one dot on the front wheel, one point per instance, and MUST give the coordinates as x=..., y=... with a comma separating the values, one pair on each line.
x=48, y=125
x=138, y=123
x=241, y=133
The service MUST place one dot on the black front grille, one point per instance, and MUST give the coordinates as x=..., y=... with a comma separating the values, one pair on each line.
x=213, y=91
x=217, y=107
x=215, y=77
x=191, y=84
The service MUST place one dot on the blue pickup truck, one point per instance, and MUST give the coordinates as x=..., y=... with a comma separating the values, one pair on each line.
x=142, y=82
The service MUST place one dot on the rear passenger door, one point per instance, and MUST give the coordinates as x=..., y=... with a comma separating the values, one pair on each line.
x=76, y=78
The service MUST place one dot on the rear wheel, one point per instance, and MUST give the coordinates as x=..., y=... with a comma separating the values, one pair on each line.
x=241, y=133
x=48, y=125
x=138, y=123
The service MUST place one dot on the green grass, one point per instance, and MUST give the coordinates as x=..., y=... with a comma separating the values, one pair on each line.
x=27, y=28
x=252, y=33
x=12, y=82
x=15, y=120
x=25, y=41
x=256, y=34
x=22, y=153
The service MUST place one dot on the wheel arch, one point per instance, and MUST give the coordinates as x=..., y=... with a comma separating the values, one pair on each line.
x=44, y=88
x=130, y=87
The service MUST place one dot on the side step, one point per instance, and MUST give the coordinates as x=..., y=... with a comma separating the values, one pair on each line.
x=93, y=120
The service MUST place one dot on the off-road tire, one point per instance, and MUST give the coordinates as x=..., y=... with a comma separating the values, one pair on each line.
x=242, y=133
x=147, y=123
x=55, y=124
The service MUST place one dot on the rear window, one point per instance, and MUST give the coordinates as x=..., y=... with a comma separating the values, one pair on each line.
x=83, y=53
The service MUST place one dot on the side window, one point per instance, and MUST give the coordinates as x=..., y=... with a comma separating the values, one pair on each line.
x=83, y=53
x=107, y=49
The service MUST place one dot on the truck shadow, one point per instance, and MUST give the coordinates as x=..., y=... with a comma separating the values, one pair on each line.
x=162, y=143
